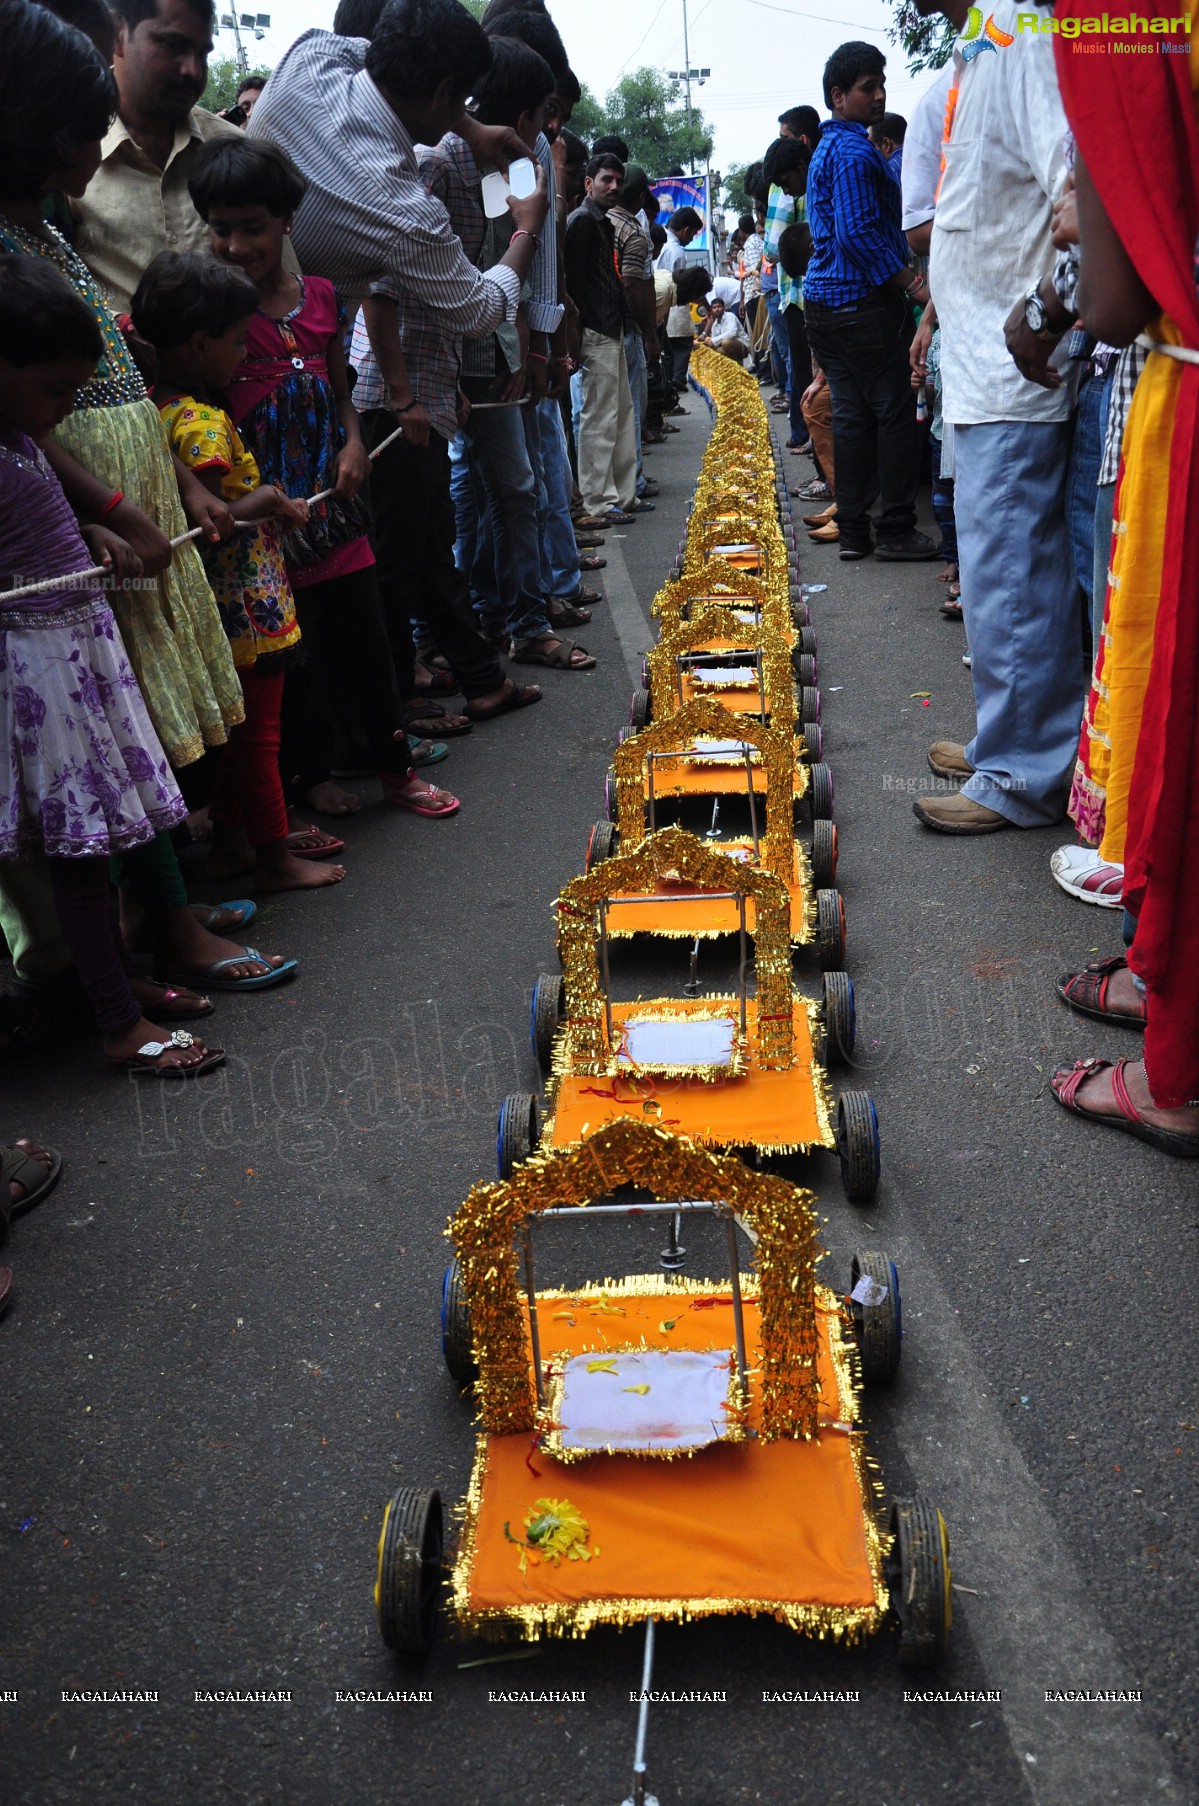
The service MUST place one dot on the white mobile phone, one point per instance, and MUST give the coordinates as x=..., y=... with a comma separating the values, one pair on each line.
x=495, y=194
x=522, y=178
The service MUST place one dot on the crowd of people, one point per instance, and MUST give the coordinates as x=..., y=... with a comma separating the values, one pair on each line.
x=1005, y=285
x=313, y=414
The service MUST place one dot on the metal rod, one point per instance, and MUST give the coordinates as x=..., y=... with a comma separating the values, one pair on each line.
x=713, y=831
x=672, y=1256
x=753, y=807
x=575, y=1213
x=605, y=970
x=709, y=896
x=653, y=806
x=761, y=663
x=692, y=988
x=647, y=1675
x=742, y=964
x=738, y=1319
x=534, y=1331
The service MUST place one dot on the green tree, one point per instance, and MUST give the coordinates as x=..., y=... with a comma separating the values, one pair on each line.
x=589, y=118
x=225, y=76
x=733, y=186
x=927, y=43
x=649, y=112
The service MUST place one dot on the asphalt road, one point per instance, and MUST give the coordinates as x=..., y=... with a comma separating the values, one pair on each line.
x=224, y=1351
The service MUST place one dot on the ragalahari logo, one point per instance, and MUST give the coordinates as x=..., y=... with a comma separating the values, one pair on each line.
x=978, y=37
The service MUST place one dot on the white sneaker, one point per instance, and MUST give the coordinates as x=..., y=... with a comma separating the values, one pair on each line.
x=1083, y=874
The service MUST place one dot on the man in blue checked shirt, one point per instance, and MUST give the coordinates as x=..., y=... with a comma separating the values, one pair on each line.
x=857, y=291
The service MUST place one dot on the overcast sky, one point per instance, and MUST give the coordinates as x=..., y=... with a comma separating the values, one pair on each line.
x=764, y=54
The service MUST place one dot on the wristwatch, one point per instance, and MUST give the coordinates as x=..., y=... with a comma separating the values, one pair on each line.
x=1035, y=317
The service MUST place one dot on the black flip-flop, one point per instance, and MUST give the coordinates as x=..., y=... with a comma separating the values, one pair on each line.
x=14, y=1163
x=521, y=696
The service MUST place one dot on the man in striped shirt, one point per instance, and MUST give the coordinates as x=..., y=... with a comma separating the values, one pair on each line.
x=856, y=305
x=349, y=112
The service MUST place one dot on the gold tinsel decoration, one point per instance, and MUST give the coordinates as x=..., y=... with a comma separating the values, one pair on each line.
x=694, y=721
x=713, y=624
x=670, y=1168
x=672, y=851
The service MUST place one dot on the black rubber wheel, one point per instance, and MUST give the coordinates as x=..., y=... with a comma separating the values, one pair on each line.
x=601, y=844
x=801, y=614
x=820, y=792
x=858, y=1145
x=920, y=1581
x=877, y=1314
x=840, y=1018
x=518, y=1131
x=806, y=669
x=809, y=703
x=610, y=794
x=545, y=1017
x=830, y=930
x=639, y=709
x=824, y=855
x=807, y=640
x=408, y=1575
x=813, y=739
x=457, y=1346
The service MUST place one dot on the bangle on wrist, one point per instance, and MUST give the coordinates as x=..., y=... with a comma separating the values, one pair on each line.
x=538, y=357
x=114, y=501
x=523, y=232
x=407, y=407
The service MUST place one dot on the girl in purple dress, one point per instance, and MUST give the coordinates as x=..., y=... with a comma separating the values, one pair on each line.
x=82, y=772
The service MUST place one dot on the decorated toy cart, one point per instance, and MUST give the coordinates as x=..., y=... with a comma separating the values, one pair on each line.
x=630, y=1431
x=735, y=1071
x=755, y=770
x=745, y=666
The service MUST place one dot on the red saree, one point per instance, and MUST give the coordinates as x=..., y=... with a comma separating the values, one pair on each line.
x=1133, y=117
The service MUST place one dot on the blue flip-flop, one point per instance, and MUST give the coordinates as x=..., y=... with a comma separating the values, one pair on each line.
x=210, y=978
x=247, y=906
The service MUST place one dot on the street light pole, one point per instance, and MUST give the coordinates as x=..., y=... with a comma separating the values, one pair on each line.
x=687, y=67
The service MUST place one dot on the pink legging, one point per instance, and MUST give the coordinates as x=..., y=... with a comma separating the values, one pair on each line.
x=248, y=792
x=83, y=901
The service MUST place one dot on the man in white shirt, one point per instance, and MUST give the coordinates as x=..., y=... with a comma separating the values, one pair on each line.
x=991, y=243
x=682, y=226
x=723, y=332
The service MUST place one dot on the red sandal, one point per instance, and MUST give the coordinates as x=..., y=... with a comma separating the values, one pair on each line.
x=1169, y=1141
x=1086, y=992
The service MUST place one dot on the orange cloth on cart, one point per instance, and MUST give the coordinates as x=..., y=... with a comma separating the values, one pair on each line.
x=779, y=1523
x=764, y=1109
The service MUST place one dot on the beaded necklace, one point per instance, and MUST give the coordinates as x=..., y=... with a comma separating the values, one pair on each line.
x=117, y=379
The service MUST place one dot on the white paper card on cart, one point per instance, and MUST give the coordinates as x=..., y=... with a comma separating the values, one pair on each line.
x=656, y=1399
x=679, y=1041
x=725, y=677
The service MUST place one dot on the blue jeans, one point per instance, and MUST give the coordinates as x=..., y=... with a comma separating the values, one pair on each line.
x=943, y=504
x=1105, y=509
x=634, y=353
x=780, y=355
x=506, y=493
x=560, y=574
x=1023, y=615
x=1086, y=455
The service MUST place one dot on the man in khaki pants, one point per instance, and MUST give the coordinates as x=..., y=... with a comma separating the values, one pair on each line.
x=607, y=446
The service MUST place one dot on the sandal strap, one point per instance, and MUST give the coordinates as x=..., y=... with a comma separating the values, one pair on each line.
x=1081, y=1069
x=1088, y=988
x=1121, y=1093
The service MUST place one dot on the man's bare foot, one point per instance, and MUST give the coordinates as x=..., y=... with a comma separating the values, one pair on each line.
x=948, y=575
x=199, y=823
x=170, y=1003
x=330, y=799
x=1096, y=1097
x=281, y=869
x=124, y=1046
x=183, y=944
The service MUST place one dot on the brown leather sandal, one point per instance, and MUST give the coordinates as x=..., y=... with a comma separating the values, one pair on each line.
x=1086, y=992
